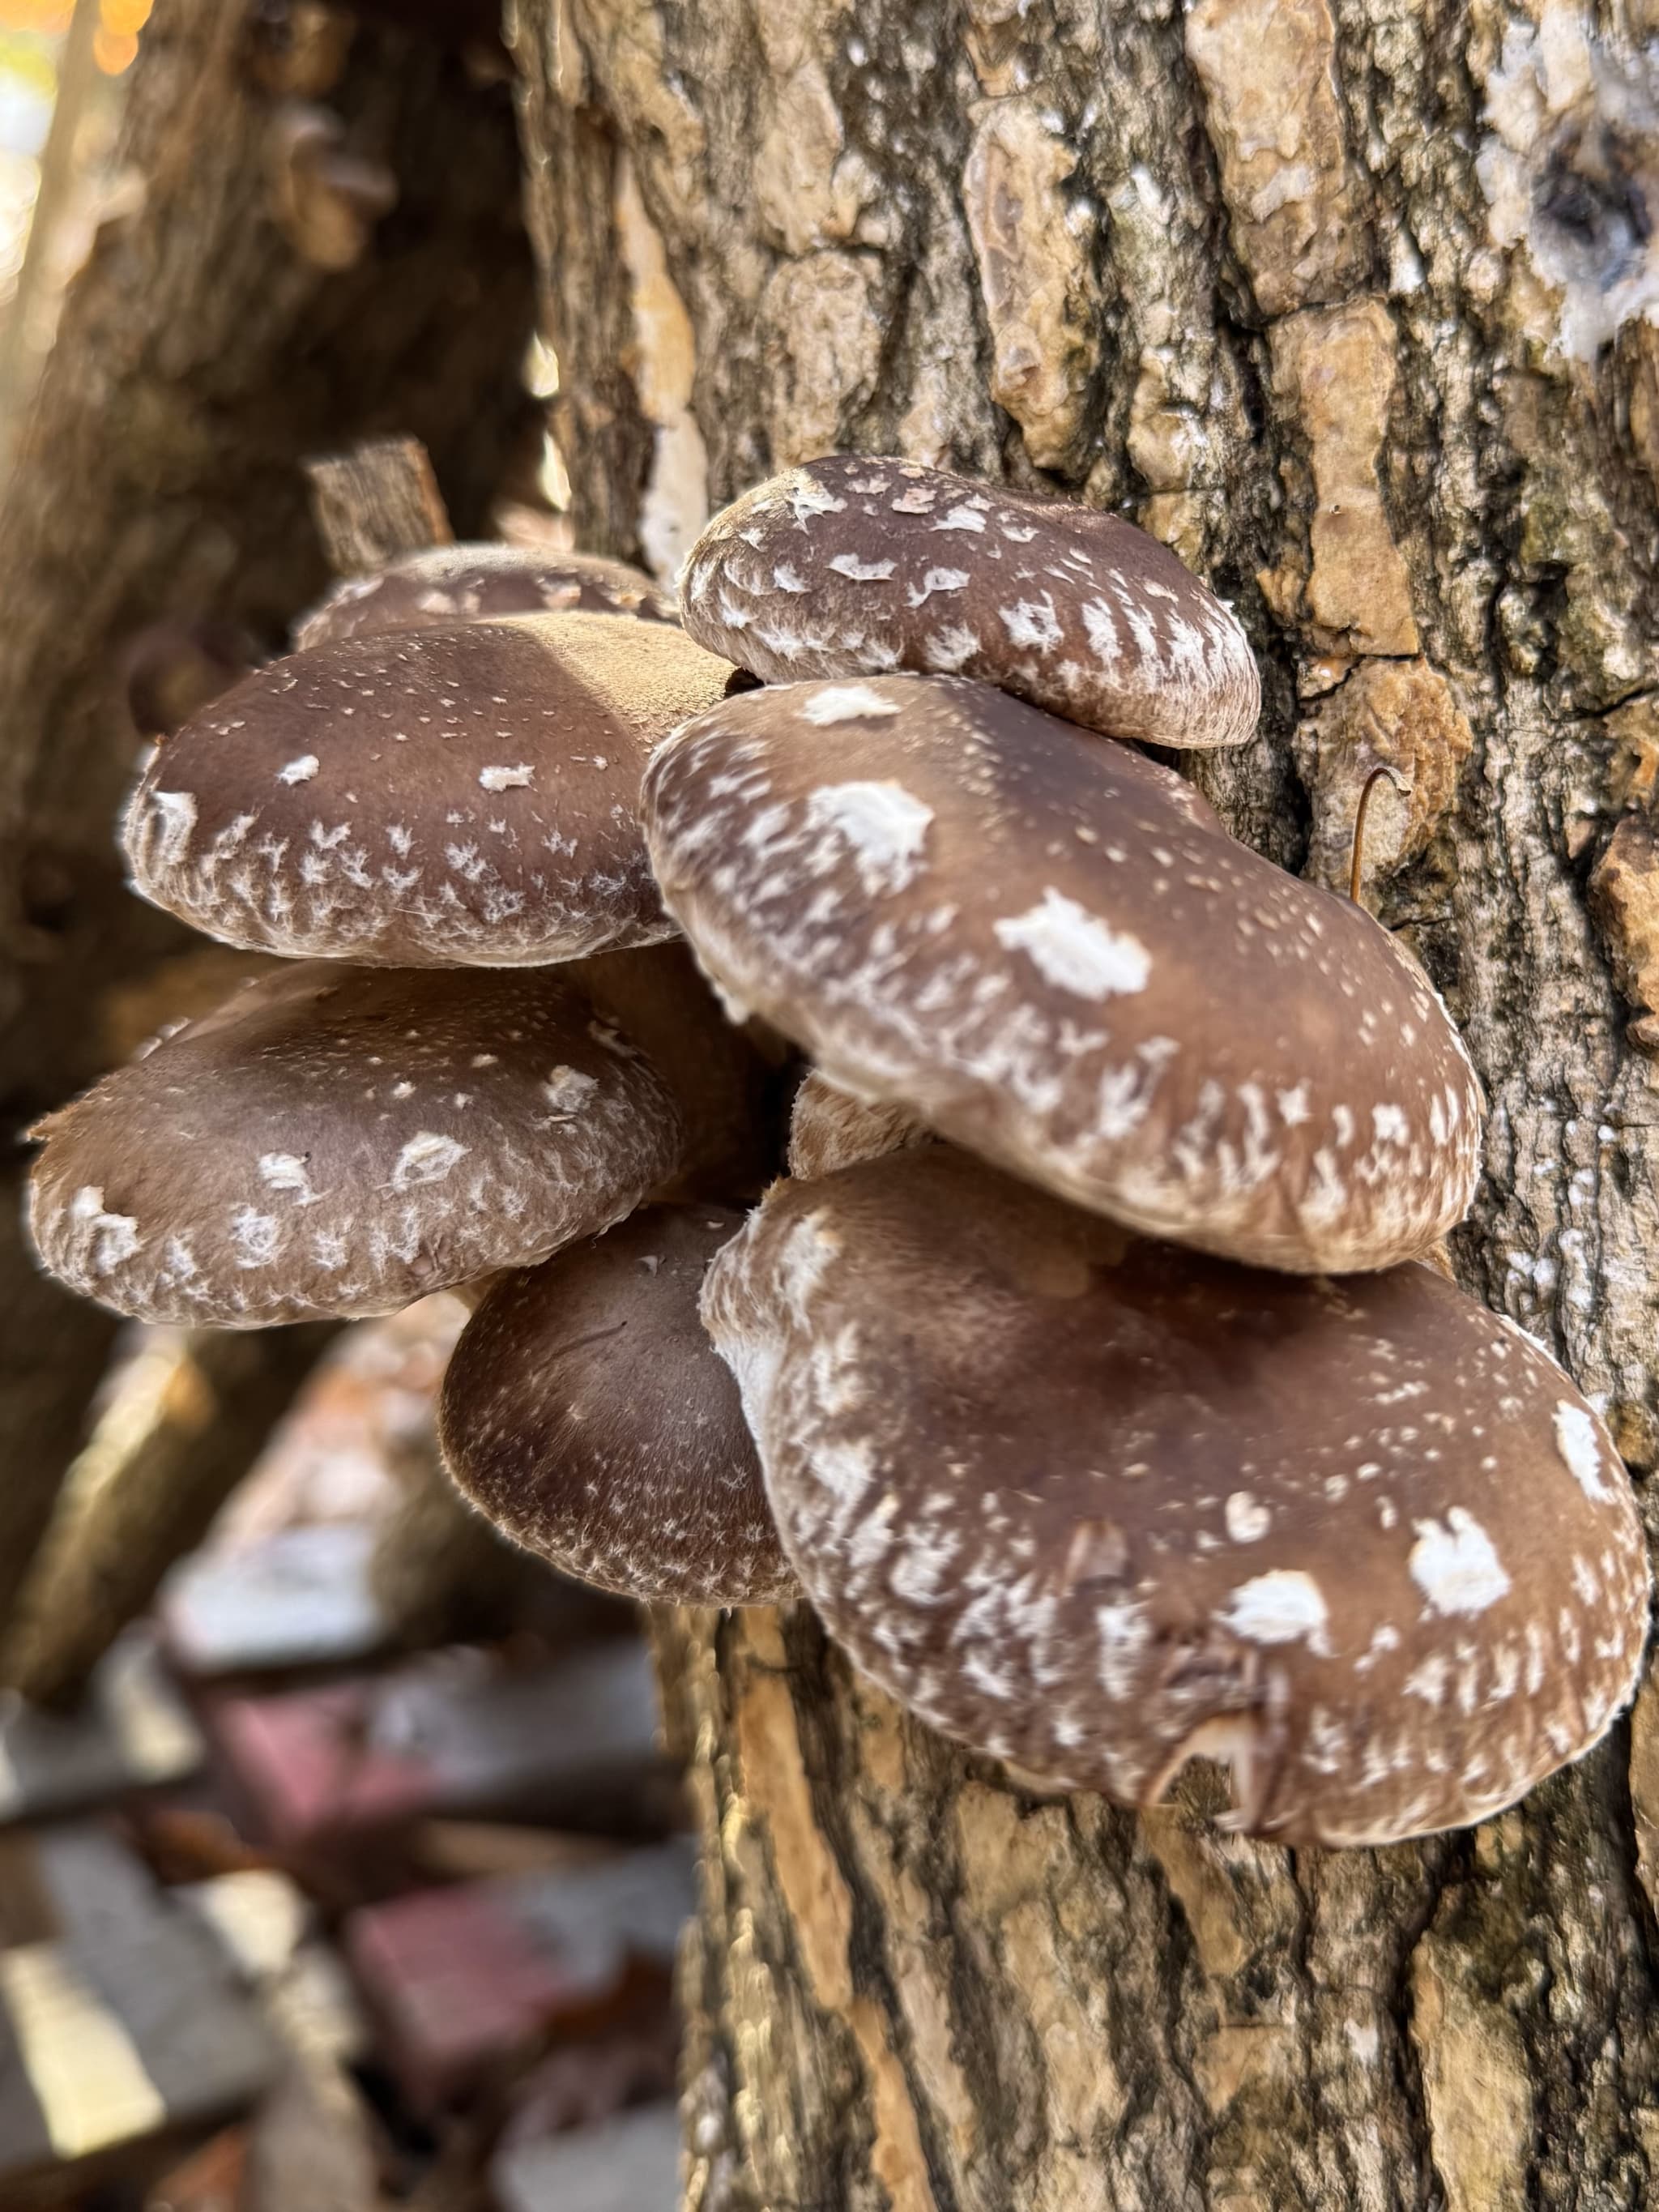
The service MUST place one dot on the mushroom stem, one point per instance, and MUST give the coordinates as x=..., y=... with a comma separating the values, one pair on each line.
x=1358, y=866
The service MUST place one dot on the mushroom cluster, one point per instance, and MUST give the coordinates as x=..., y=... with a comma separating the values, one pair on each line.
x=1086, y=1369
x=491, y=1046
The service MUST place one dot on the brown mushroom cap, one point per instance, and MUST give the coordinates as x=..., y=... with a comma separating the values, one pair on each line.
x=443, y=585
x=724, y=1088
x=1054, y=953
x=828, y=1128
x=1110, y=1505
x=340, y=1142
x=586, y=1412
x=442, y=798
x=850, y=567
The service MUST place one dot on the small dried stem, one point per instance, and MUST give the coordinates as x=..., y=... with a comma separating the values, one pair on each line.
x=380, y=500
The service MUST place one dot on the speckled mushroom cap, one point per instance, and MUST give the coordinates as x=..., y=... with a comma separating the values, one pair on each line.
x=1111, y=1505
x=854, y=567
x=828, y=1128
x=442, y=798
x=1054, y=953
x=339, y=1141
x=443, y=585
x=586, y=1412
x=722, y=1085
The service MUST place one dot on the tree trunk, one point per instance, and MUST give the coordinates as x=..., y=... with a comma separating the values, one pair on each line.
x=203, y=354
x=1345, y=302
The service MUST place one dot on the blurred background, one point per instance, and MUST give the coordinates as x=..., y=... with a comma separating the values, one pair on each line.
x=62, y=67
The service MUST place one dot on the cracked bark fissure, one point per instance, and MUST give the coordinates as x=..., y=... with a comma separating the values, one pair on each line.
x=1339, y=300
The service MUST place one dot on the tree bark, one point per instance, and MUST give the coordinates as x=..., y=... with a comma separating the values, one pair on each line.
x=179, y=1433
x=1345, y=302
x=201, y=357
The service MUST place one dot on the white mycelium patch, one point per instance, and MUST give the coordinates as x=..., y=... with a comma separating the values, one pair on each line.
x=300, y=770
x=939, y=580
x=1075, y=950
x=110, y=1237
x=950, y=648
x=569, y=1090
x=882, y=825
x=1576, y=1441
x=1285, y=1606
x=288, y=1172
x=1032, y=622
x=427, y=1157
x=255, y=1237
x=176, y=813
x=860, y=572
x=1455, y=1564
x=1247, y=1519
x=845, y=702
x=1101, y=624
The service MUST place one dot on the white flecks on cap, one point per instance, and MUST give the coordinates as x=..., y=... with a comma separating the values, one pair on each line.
x=807, y=497
x=1033, y=622
x=257, y=1237
x=948, y=648
x=860, y=572
x=1455, y=1564
x=939, y=580
x=1124, y=1632
x=569, y=1090
x=288, y=1172
x=1285, y=1606
x=506, y=778
x=882, y=825
x=1576, y=1441
x=114, y=1237
x=1075, y=950
x=845, y=702
x=1247, y=1519
x=427, y=1157
x=177, y=810
x=300, y=770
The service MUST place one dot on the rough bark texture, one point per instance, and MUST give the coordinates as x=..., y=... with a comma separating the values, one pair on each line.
x=201, y=357
x=1344, y=300
x=376, y=502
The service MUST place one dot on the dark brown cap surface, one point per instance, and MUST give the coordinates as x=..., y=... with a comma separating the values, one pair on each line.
x=463, y=797
x=1053, y=953
x=340, y=1142
x=1108, y=1505
x=722, y=1085
x=443, y=585
x=828, y=1128
x=586, y=1412
x=852, y=566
